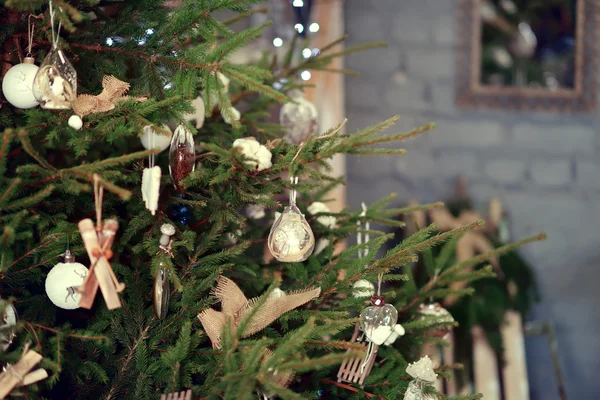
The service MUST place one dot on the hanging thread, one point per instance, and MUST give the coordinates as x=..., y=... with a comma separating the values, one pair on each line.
x=55, y=35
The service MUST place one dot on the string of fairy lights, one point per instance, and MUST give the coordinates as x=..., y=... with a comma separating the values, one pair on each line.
x=303, y=26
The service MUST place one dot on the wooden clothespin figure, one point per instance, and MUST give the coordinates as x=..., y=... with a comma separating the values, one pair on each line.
x=185, y=395
x=18, y=375
x=98, y=242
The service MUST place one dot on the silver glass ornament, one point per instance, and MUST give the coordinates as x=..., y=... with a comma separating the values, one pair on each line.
x=162, y=294
x=414, y=391
x=291, y=239
x=299, y=118
x=55, y=84
x=378, y=320
x=8, y=322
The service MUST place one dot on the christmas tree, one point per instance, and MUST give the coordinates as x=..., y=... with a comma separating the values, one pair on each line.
x=228, y=275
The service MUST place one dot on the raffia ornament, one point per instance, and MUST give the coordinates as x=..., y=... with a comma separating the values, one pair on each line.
x=235, y=306
x=113, y=92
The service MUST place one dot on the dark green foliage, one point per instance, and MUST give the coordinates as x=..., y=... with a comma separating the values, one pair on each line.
x=45, y=190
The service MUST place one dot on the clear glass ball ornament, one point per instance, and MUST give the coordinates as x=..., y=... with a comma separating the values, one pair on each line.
x=299, y=118
x=291, y=239
x=55, y=84
x=378, y=321
x=17, y=85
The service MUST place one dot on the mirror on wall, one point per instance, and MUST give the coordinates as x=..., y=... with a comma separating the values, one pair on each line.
x=528, y=54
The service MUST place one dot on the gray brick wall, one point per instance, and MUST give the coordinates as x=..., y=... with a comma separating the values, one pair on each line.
x=544, y=167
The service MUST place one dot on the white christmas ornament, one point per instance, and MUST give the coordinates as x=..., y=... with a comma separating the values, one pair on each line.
x=396, y=333
x=198, y=114
x=259, y=156
x=63, y=281
x=151, y=188
x=17, y=85
x=277, y=293
x=75, y=122
x=326, y=220
x=363, y=288
x=255, y=211
x=151, y=139
x=232, y=115
x=299, y=118
x=422, y=370
x=525, y=42
x=320, y=246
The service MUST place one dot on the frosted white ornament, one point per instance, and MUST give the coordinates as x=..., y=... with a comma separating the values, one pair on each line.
x=151, y=139
x=63, y=280
x=75, y=122
x=422, y=370
x=299, y=118
x=17, y=85
x=363, y=288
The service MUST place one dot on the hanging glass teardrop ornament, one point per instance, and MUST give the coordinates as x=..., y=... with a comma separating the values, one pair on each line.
x=291, y=239
x=55, y=83
x=299, y=118
x=162, y=294
x=378, y=320
x=162, y=287
x=182, y=156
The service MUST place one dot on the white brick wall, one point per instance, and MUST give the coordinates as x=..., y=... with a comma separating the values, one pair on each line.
x=545, y=167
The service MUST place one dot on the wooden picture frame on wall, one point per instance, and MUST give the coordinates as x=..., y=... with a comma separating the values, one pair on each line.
x=471, y=93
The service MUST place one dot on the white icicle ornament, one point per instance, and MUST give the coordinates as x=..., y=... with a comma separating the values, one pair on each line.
x=63, y=281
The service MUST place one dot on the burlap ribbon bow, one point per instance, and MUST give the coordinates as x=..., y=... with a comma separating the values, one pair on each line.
x=113, y=91
x=235, y=307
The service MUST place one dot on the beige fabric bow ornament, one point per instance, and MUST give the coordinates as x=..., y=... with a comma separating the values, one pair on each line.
x=235, y=306
x=113, y=92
